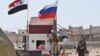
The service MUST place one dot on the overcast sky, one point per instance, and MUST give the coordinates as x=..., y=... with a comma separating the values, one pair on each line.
x=70, y=12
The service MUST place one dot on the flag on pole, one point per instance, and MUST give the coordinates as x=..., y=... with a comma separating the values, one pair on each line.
x=17, y=6
x=48, y=12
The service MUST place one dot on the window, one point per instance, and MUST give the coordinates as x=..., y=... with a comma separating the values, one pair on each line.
x=40, y=44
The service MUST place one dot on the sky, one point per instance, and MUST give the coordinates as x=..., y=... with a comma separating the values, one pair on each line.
x=70, y=12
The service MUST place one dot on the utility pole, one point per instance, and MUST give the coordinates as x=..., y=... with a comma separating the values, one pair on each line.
x=55, y=40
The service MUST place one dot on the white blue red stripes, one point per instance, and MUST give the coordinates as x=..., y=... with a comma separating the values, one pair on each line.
x=48, y=12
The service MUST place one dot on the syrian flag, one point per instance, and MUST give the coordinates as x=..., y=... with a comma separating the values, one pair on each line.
x=17, y=6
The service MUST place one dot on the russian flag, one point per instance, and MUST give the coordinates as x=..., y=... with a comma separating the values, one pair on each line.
x=48, y=12
x=17, y=6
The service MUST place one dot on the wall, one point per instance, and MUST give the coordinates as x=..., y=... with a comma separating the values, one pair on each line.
x=35, y=37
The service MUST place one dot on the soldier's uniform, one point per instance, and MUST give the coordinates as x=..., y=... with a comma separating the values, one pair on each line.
x=81, y=48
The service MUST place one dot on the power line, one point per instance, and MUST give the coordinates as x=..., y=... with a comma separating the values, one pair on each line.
x=61, y=26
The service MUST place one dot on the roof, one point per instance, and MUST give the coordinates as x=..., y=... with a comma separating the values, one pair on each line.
x=37, y=25
x=37, y=21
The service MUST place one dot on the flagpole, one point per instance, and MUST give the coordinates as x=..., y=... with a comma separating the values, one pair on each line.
x=57, y=1
x=27, y=27
x=27, y=17
x=55, y=21
x=55, y=40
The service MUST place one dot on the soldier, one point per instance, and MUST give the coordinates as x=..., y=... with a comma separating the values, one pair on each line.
x=81, y=47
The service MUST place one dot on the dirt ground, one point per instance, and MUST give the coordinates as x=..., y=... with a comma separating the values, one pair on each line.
x=92, y=52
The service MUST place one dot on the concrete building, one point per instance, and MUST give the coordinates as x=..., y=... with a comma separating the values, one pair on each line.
x=75, y=33
x=15, y=37
x=38, y=37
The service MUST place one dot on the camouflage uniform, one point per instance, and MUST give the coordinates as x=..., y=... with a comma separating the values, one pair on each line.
x=81, y=48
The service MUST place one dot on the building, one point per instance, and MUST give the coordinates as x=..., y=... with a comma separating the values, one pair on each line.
x=75, y=33
x=15, y=37
x=39, y=32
